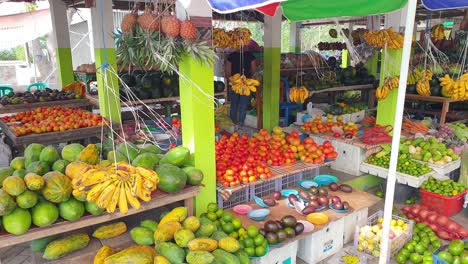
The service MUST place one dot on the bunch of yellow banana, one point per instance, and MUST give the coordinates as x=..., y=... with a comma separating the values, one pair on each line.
x=423, y=88
x=118, y=184
x=458, y=89
x=418, y=74
x=379, y=39
x=231, y=39
x=243, y=85
x=438, y=32
x=391, y=82
x=382, y=92
x=297, y=95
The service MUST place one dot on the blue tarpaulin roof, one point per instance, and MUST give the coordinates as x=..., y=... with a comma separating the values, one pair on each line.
x=444, y=4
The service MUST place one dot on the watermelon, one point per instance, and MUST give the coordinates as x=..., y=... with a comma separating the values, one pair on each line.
x=146, y=81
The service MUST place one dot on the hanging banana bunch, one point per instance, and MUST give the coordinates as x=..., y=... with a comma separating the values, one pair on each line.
x=422, y=86
x=235, y=39
x=382, y=92
x=298, y=95
x=391, y=82
x=380, y=38
x=417, y=74
x=437, y=32
x=457, y=89
x=118, y=184
x=243, y=85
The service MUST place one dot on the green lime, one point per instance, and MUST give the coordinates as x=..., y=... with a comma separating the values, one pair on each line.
x=237, y=223
x=405, y=252
x=415, y=258
x=249, y=242
x=234, y=235
x=260, y=251
x=416, y=238
x=420, y=248
x=227, y=217
x=252, y=231
x=242, y=243
x=211, y=216
x=219, y=213
x=409, y=247
x=228, y=228
x=250, y=251
x=258, y=240
x=401, y=258
x=212, y=207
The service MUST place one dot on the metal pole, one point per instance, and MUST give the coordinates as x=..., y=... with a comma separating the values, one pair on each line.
x=409, y=25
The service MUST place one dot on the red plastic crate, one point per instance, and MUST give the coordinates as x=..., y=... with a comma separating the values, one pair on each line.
x=446, y=205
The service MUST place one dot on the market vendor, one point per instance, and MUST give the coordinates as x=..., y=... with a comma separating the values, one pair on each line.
x=242, y=62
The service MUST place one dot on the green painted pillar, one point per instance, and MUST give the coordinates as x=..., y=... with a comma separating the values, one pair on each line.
x=372, y=64
x=271, y=70
x=63, y=53
x=295, y=37
x=386, y=108
x=198, y=133
x=104, y=50
x=197, y=106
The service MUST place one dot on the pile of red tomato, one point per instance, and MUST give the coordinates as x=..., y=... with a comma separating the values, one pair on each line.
x=244, y=159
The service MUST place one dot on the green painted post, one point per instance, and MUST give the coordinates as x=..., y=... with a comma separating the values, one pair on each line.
x=386, y=108
x=64, y=66
x=372, y=64
x=198, y=133
x=344, y=58
x=108, y=83
x=271, y=87
x=108, y=86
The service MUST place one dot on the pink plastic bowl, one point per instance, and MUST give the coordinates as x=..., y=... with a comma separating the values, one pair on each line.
x=242, y=209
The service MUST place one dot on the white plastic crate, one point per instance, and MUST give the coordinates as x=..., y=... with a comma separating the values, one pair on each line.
x=374, y=243
x=402, y=178
x=349, y=158
x=250, y=121
x=285, y=254
x=358, y=116
x=310, y=174
x=265, y=188
x=322, y=243
x=442, y=170
x=356, y=218
x=290, y=180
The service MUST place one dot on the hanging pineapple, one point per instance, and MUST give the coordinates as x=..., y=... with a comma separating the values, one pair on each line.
x=129, y=22
x=170, y=25
x=149, y=20
x=188, y=30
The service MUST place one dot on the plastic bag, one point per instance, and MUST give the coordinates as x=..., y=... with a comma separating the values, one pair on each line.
x=5, y=153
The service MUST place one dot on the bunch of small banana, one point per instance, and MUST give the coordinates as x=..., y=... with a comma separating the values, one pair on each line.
x=118, y=184
x=243, y=85
x=382, y=92
x=385, y=37
x=458, y=89
x=391, y=82
x=297, y=95
x=231, y=39
x=418, y=74
x=438, y=32
x=423, y=88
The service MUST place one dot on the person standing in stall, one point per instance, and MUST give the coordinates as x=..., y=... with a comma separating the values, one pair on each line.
x=242, y=62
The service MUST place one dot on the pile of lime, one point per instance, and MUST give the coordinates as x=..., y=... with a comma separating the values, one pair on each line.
x=253, y=243
x=445, y=187
x=420, y=248
x=456, y=252
x=224, y=221
x=405, y=164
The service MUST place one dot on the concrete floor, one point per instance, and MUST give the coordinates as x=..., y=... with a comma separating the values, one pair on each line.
x=22, y=254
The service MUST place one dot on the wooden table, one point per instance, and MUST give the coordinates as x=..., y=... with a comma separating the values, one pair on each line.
x=357, y=200
x=159, y=199
x=73, y=103
x=53, y=137
x=436, y=99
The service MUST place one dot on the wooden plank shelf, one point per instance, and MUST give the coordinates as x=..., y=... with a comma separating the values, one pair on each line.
x=72, y=103
x=344, y=88
x=94, y=100
x=435, y=99
x=159, y=199
x=54, y=137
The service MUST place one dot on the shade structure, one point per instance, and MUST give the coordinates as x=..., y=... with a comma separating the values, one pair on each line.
x=444, y=4
x=300, y=10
